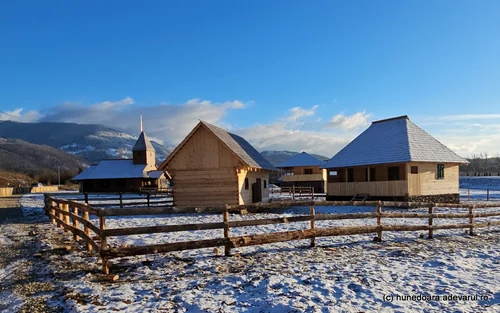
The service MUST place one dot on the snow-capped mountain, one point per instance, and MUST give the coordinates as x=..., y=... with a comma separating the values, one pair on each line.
x=90, y=142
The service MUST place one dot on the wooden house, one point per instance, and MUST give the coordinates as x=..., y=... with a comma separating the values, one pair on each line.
x=125, y=175
x=212, y=167
x=394, y=159
x=303, y=170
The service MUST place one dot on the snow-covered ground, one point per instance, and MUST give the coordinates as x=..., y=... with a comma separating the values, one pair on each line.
x=341, y=274
x=477, y=187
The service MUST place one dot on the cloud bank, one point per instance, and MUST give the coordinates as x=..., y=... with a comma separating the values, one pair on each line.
x=298, y=129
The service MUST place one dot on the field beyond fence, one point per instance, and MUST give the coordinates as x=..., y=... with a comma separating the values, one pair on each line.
x=74, y=217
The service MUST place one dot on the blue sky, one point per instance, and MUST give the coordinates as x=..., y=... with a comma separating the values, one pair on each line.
x=298, y=75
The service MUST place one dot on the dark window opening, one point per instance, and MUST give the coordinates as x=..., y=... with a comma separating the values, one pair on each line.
x=308, y=171
x=372, y=174
x=393, y=173
x=265, y=184
x=414, y=170
x=366, y=174
x=440, y=171
x=246, y=183
x=350, y=175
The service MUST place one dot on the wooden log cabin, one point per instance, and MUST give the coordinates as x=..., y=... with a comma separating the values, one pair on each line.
x=212, y=167
x=394, y=159
x=303, y=170
x=126, y=175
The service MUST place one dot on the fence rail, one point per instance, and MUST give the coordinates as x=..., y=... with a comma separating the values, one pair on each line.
x=69, y=214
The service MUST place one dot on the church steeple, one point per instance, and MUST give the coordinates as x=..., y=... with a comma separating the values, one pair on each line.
x=143, y=151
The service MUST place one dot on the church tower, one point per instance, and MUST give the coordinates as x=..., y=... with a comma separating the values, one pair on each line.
x=143, y=151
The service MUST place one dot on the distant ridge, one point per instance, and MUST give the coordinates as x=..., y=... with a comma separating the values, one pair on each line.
x=91, y=142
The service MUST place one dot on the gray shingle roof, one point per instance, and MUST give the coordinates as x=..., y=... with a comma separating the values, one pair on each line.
x=143, y=143
x=241, y=148
x=113, y=169
x=301, y=159
x=395, y=140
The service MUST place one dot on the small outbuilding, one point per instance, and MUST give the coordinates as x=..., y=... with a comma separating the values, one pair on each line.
x=394, y=159
x=126, y=175
x=303, y=170
x=212, y=167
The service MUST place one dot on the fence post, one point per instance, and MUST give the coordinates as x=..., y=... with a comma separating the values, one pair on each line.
x=431, y=230
x=313, y=226
x=75, y=223
x=53, y=212
x=149, y=196
x=379, y=221
x=86, y=229
x=121, y=200
x=104, y=243
x=487, y=195
x=86, y=198
x=66, y=217
x=227, y=246
x=293, y=192
x=471, y=220
x=60, y=216
x=312, y=191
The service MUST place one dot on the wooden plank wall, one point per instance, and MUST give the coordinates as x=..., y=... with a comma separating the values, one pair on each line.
x=429, y=185
x=299, y=170
x=7, y=191
x=378, y=188
x=210, y=187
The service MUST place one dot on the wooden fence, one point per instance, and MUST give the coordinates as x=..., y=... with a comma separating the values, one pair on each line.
x=493, y=195
x=69, y=214
x=124, y=199
x=9, y=191
x=294, y=191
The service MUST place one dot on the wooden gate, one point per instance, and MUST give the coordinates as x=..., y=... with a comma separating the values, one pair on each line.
x=257, y=191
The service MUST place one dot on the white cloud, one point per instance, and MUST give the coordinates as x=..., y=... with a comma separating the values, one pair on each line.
x=298, y=112
x=342, y=121
x=168, y=123
x=18, y=116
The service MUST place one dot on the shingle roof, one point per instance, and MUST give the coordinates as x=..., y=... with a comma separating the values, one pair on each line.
x=242, y=148
x=301, y=159
x=143, y=143
x=394, y=140
x=113, y=169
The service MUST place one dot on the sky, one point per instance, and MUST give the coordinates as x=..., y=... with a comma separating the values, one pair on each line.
x=285, y=75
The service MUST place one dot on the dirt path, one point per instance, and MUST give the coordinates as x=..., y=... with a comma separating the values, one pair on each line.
x=32, y=267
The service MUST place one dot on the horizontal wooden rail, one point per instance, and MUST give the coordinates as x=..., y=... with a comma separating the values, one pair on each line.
x=76, y=231
x=160, y=229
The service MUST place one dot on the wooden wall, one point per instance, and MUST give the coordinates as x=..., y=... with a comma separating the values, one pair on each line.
x=203, y=151
x=210, y=187
x=425, y=182
x=7, y=191
x=204, y=172
x=299, y=170
x=245, y=195
x=387, y=188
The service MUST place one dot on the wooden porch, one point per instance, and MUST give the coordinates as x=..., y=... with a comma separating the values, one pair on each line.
x=397, y=188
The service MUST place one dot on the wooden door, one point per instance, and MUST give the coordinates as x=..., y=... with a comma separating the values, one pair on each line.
x=257, y=191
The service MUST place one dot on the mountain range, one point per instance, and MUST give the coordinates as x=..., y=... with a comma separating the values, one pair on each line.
x=40, y=149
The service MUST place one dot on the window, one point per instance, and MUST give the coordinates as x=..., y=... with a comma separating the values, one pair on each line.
x=288, y=171
x=440, y=171
x=372, y=174
x=265, y=184
x=308, y=171
x=414, y=170
x=333, y=173
x=246, y=183
x=366, y=174
x=350, y=175
x=393, y=173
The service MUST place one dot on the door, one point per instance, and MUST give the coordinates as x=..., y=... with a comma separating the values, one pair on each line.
x=257, y=191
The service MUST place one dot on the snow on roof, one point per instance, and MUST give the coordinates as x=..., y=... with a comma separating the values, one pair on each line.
x=301, y=159
x=394, y=140
x=242, y=148
x=143, y=143
x=113, y=169
x=155, y=174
